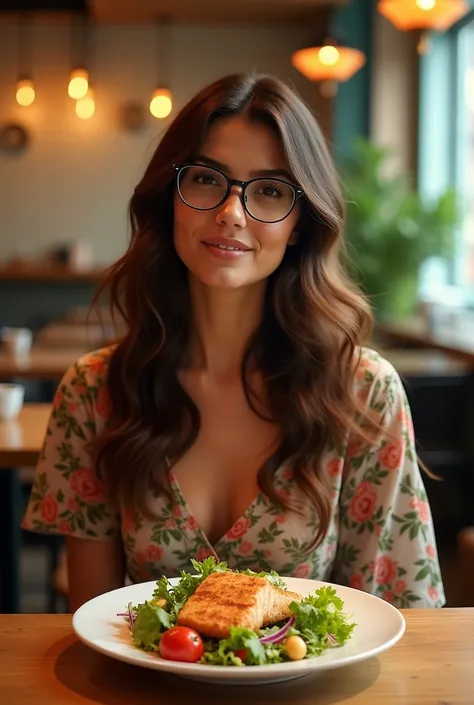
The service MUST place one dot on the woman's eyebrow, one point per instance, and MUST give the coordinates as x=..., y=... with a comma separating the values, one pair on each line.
x=261, y=172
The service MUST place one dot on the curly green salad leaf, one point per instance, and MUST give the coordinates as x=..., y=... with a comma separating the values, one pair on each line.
x=319, y=620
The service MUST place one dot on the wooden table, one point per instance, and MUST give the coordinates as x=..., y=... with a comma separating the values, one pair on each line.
x=44, y=364
x=22, y=438
x=42, y=663
x=20, y=444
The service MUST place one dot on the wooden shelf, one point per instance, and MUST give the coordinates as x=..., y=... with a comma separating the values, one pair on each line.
x=49, y=274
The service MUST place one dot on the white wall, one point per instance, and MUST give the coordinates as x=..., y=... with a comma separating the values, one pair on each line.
x=75, y=180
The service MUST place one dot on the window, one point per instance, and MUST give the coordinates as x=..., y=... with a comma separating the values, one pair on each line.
x=446, y=151
x=464, y=152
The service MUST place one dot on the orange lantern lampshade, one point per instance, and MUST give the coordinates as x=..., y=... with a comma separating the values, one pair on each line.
x=328, y=61
x=438, y=15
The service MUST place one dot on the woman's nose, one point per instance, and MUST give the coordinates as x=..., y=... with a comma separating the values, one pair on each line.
x=232, y=211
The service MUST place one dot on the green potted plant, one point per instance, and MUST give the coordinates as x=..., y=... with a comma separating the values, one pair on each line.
x=391, y=230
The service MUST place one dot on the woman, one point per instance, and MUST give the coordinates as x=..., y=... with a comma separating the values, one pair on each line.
x=239, y=416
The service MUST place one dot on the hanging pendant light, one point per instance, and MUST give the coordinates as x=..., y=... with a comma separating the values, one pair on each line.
x=329, y=61
x=79, y=78
x=423, y=15
x=161, y=103
x=25, y=90
x=85, y=107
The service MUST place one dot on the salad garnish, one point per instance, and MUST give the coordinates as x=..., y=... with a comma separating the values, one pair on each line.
x=317, y=623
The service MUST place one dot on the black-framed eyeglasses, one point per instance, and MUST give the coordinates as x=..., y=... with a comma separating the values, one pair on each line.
x=266, y=199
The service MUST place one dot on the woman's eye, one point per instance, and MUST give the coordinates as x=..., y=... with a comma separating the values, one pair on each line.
x=205, y=179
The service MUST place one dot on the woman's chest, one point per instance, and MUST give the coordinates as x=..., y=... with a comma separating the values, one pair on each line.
x=218, y=474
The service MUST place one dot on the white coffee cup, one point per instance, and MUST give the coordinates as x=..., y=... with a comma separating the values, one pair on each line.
x=11, y=400
x=16, y=341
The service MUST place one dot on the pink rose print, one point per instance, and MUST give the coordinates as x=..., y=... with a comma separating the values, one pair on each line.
x=423, y=511
x=245, y=547
x=400, y=587
x=356, y=582
x=280, y=519
x=86, y=484
x=303, y=571
x=170, y=524
x=287, y=474
x=388, y=596
x=363, y=365
x=192, y=524
x=72, y=505
x=422, y=508
x=64, y=527
x=49, y=509
x=240, y=527
x=72, y=406
x=80, y=389
x=154, y=552
x=96, y=364
x=362, y=504
x=102, y=404
x=177, y=511
x=203, y=553
x=432, y=593
x=58, y=399
x=391, y=455
x=267, y=553
x=385, y=570
x=334, y=467
x=371, y=567
x=430, y=551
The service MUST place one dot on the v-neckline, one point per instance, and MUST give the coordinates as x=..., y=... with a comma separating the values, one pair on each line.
x=174, y=484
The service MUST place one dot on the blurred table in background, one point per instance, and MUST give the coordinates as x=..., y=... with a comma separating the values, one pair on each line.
x=43, y=364
x=425, y=362
x=457, y=341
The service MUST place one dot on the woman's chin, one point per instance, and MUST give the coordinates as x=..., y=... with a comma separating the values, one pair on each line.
x=223, y=279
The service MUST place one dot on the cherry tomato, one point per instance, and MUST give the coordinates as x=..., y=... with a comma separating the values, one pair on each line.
x=241, y=654
x=181, y=644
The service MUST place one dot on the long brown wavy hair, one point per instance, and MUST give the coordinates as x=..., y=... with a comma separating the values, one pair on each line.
x=306, y=346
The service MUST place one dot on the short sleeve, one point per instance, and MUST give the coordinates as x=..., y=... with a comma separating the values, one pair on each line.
x=387, y=543
x=67, y=496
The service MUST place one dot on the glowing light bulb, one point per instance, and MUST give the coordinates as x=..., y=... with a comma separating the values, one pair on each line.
x=25, y=92
x=161, y=103
x=78, y=84
x=328, y=55
x=85, y=107
x=426, y=4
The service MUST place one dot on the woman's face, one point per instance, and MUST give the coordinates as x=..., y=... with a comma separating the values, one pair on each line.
x=242, y=150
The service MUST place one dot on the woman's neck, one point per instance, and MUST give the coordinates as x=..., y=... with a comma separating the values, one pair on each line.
x=223, y=321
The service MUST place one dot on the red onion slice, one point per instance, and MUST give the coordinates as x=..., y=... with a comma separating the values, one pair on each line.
x=279, y=635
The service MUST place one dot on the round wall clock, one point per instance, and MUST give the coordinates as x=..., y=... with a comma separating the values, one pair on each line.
x=13, y=138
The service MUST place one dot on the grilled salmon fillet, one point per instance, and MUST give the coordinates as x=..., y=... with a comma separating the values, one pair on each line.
x=227, y=599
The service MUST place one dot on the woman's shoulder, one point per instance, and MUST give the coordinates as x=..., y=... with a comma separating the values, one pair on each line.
x=93, y=365
x=372, y=364
x=375, y=374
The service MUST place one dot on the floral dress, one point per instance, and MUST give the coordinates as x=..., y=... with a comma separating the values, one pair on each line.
x=380, y=537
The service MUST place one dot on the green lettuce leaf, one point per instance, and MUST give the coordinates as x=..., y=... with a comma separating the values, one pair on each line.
x=150, y=623
x=321, y=621
x=223, y=654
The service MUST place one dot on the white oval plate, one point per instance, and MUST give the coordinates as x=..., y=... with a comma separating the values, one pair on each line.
x=379, y=627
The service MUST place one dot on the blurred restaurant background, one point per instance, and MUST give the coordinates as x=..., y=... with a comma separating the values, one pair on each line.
x=86, y=91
